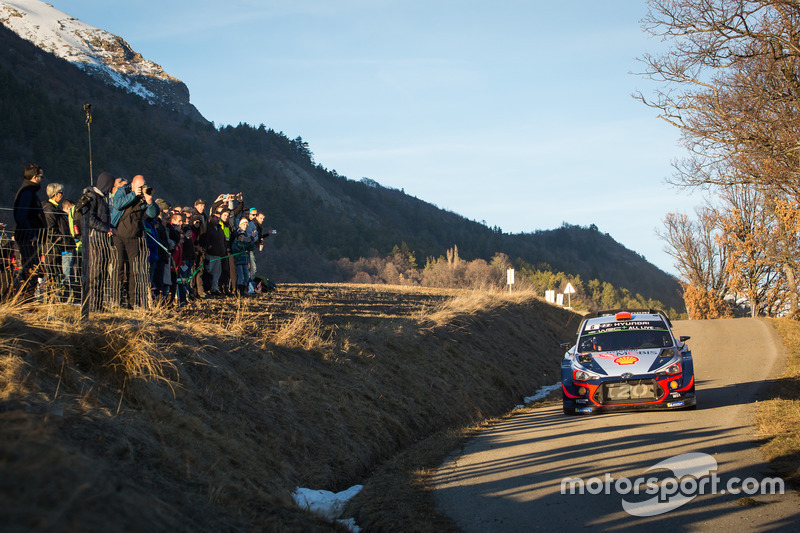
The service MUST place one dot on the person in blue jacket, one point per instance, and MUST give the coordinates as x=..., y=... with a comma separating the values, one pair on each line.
x=131, y=204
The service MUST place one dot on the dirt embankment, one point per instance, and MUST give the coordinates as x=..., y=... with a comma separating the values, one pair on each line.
x=208, y=420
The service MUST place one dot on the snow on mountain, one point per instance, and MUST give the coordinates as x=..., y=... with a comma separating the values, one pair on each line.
x=95, y=51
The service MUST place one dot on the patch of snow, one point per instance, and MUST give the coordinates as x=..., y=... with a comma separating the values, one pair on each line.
x=350, y=524
x=539, y=394
x=326, y=504
x=88, y=47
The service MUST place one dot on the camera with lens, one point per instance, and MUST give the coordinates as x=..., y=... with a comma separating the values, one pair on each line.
x=148, y=190
x=84, y=201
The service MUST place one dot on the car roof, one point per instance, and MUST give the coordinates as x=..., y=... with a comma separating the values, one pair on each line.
x=610, y=315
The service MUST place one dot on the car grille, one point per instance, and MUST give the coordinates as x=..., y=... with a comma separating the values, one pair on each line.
x=631, y=391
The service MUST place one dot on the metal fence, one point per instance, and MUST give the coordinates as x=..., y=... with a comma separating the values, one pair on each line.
x=47, y=267
x=98, y=273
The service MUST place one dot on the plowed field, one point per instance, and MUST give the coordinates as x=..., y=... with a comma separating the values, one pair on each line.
x=336, y=304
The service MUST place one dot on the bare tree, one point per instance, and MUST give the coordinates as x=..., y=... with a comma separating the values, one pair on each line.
x=731, y=83
x=747, y=232
x=700, y=259
x=784, y=246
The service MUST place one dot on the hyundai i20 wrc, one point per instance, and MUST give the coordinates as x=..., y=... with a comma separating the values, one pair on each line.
x=626, y=360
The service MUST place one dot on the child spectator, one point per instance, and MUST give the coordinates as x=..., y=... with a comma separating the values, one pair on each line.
x=73, y=244
x=151, y=230
x=175, y=237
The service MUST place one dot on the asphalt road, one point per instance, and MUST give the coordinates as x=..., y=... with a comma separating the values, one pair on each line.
x=509, y=478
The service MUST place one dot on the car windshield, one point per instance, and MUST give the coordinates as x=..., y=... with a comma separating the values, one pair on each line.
x=617, y=336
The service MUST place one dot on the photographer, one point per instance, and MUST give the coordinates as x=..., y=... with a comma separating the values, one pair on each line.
x=131, y=204
x=233, y=202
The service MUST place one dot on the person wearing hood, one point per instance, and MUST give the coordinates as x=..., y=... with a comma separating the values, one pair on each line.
x=29, y=219
x=97, y=224
x=97, y=218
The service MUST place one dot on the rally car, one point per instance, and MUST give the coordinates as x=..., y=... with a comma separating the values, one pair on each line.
x=624, y=360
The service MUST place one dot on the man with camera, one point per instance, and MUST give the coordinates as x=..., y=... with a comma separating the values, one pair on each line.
x=131, y=204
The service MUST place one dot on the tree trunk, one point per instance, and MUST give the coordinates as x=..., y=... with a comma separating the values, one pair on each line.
x=791, y=281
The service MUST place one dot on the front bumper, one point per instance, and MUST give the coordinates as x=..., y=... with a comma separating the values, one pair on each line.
x=640, y=393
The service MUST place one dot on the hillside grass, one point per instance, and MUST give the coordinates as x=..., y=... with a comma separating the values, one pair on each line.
x=208, y=421
x=778, y=419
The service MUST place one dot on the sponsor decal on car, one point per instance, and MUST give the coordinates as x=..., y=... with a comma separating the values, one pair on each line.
x=622, y=326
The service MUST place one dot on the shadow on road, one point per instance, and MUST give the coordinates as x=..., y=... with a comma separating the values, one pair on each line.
x=528, y=474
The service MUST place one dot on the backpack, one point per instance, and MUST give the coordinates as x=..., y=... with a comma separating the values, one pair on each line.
x=264, y=284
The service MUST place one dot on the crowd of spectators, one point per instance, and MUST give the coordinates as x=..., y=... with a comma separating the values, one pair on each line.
x=137, y=248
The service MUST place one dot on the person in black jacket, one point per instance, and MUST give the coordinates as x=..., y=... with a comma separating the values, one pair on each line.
x=97, y=224
x=29, y=221
x=57, y=235
x=199, y=224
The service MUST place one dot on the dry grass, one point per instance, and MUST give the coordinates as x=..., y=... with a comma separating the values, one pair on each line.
x=208, y=420
x=778, y=419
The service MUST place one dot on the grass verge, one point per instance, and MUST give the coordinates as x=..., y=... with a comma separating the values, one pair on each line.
x=778, y=419
x=209, y=420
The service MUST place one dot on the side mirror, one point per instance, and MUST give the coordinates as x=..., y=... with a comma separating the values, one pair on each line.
x=566, y=347
x=684, y=338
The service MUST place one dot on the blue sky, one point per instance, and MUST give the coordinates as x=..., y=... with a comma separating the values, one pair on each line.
x=515, y=113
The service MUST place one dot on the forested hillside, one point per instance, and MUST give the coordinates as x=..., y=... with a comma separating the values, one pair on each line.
x=320, y=216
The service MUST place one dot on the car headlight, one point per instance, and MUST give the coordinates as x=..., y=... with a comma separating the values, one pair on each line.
x=582, y=375
x=667, y=353
x=674, y=368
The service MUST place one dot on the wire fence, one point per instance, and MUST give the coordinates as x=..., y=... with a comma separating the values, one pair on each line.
x=62, y=265
x=43, y=264
x=97, y=272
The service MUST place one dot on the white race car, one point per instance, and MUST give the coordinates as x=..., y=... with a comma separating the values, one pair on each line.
x=627, y=359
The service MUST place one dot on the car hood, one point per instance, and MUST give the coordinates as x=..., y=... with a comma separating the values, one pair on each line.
x=634, y=362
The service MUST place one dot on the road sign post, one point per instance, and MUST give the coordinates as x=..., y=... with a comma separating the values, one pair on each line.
x=569, y=291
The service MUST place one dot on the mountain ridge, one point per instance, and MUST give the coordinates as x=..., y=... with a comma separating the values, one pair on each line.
x=98, y=52
x=321, y=216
